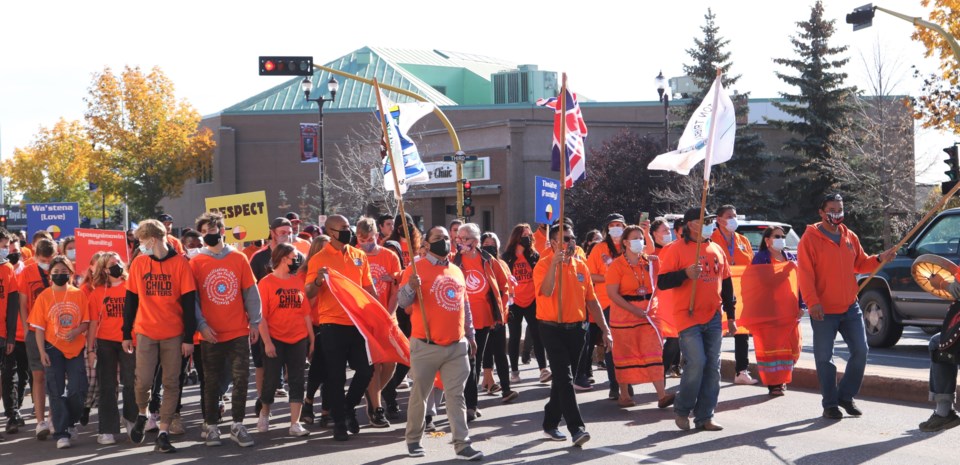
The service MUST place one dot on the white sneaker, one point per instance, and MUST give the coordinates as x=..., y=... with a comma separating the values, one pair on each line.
x=297, y=430
x=106, y=439
x=263, y=423
x=744, y=378
x=63, y=443
x=153, y=422
x=43, y=431
x=514, y=376
x=403, y=385
x=74, y=434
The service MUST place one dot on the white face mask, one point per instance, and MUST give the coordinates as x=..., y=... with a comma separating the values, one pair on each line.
x=72, y=254
x=636, y=245
x=666, y=239
x=778, y=244
x=731, y=225
x=616, y=232
x=192, y=253
x=44, y=266
x=707, y=230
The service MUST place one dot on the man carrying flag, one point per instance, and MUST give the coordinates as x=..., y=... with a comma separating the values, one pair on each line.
x=575, y=133
x=342, y=341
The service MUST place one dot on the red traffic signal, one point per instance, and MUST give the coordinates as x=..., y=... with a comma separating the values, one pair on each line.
x=286, y=66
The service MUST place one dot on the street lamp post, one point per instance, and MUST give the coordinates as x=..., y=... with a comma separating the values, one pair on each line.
x=665, y=98
x=332, y=86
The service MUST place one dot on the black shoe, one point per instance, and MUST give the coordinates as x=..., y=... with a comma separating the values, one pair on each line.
x=306, y=414
x=12, y=425
x=85, y=416
x=580, y=438
x=19, y=418
x=937, y=423
x=554, y=434
x=136, y=434
x=851, y=408
x=340, y=433
x=379, y=419
x=469, y=454
x=325, y=420
x=614, y=394
x=832, y=413
x=393, y=412
x=352, y=424
x=163, y=443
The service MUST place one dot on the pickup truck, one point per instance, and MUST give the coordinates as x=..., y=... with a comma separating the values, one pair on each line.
x=892, y=299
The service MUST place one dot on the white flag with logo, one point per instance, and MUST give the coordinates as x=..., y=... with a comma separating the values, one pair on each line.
x=720, y=123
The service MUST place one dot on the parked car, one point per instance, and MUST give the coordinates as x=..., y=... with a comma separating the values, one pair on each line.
x=892, y=299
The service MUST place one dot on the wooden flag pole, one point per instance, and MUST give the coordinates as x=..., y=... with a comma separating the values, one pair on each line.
x=403, y=215
x=706, y=185
x=563, y=188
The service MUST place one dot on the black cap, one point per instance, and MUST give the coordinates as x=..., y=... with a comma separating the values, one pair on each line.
x=165, y=218
x=280, y=221
x=293, y=217
x=834, y=197
x=613, y=217
x=693, y=214
x=312, y=229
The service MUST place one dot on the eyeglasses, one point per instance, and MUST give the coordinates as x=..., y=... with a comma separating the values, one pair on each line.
x=779, y=236
x=569, y=239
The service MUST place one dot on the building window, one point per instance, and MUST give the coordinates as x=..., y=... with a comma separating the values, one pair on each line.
x=205, y=170
x=487, y=220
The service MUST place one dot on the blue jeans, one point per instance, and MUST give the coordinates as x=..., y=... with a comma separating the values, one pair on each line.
x=850, y=327
x=66, y=388
x=700, y=382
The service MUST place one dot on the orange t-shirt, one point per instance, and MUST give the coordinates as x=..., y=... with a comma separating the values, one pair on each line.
x=59, y=312
x=540, y=242
x=740, y=252
x=176, y=244
x=444, y=296
x=384, y=263
x=159, y=286
x=8, y=285
x=577, y=289
x=26, y=253
x=526, y=293
x=715, y=269
x=106, y=307
x=285, y=306
x=30, y=283
x=220, y=285
x=478, y=290
x=250, y=250
x=600, y=258
x=353, y=264
x=633, y=280
x=302, y=245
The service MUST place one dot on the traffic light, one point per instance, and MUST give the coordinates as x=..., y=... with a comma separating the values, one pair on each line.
x=467, y=211
x=3, y=221
x=861, y=17
x=467, y=191
x=286, y=66
x=953, y=174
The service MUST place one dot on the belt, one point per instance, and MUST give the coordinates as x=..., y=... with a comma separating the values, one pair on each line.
x=635, y=298
x=577, y=325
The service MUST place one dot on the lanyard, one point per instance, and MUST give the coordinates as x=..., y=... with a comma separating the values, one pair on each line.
x=730, y=245
x=653, y=291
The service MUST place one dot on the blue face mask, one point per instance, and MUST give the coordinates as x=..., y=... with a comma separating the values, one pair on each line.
x=707, y=230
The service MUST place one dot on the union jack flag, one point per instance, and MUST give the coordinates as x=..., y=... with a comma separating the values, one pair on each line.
x=576, y=134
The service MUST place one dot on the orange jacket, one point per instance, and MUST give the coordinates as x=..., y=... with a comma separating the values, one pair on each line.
x=828, y=272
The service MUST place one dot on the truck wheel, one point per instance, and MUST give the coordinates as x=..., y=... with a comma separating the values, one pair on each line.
x=882, y=330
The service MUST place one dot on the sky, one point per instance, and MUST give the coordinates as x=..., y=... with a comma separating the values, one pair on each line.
x=611, y=50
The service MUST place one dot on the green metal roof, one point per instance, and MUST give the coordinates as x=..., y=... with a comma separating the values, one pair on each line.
x=386, y=64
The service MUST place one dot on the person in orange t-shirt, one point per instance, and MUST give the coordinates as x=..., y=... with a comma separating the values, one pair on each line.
x=160, y=307
x=521, y=257
x=443, y=314
x=104, y=339
x=229, y=322
x=700, y=331
x=13, y=356
x=167, y=221
x=33, y=280
x=341, y=340
x=60, y=317
x=829, y=257
x=662, y=238
x=562, y=307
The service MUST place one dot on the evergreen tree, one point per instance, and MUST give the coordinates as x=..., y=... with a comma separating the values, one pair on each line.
x=739, y=181
x=819, y=110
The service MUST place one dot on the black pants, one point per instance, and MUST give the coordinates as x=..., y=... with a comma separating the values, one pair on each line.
x=214, y=359
x=341, y=345
x=293, y=357
x=318, y=371
x=517, y=315
x=586, y=358
x=110, y=358
x=492, y=348
x=15, y=362
x=564, y=345
x=671, y=353
x=741, y=351
x=389, y=392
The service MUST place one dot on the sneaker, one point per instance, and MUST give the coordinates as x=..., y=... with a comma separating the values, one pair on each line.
x=176, y=426
x=325, y=420
x=937, y=423
x=379, y=418
x=43, y=431
x=614, y=393
x=127, y=424
x=340, y=433
x=580, y=438
x=832, y=413
x=85, y=416
x=469, y=453
x=63, y=443
x=13, y=426
x=683, y=423
x=514, y=377
x=554, y=434
x=153, y=422
x=280, y=393
x=672, y=372
x=297, y=430
x=352, y=424
x=203, y=430
x=403, y=385
x=545, y=376
x=306, y=413
x=263, y=423
x=240, y=435
x=393, y=412
x=471, y=414
x=744, y=378
x=106, y=439
x=74, y=434
x=710, y=425
x=415, y=450
x=851, y=408
x=510, y=397
x=428, y=425
x=163, y=444
x=136, y=434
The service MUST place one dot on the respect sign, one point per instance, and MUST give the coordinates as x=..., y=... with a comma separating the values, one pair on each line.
x=58, y=219
x=245, y=215
x=91, y=241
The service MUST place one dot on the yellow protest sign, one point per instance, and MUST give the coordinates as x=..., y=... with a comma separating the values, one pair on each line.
x=245, y=215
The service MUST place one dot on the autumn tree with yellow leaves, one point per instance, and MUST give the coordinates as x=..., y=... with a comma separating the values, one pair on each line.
x=939, y=105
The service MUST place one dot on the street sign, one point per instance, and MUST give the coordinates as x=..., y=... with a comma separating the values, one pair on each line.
x=546, y=200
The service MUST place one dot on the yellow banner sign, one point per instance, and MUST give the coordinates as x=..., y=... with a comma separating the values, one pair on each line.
x=245, y=215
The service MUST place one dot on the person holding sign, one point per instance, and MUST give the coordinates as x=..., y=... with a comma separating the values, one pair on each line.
x=699, y=326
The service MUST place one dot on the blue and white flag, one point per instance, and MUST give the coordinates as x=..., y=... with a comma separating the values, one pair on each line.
x=400, y=118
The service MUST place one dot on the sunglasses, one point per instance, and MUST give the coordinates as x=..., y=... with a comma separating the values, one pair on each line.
x=569, y=239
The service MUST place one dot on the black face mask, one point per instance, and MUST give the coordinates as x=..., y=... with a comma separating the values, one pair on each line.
x=441, y=248
x=294, y=265
x=116, y=271
x=14, y=258
x=212, y=239
x=526, y=242
x=60, y=279
x=344, y=236
x=490, y=249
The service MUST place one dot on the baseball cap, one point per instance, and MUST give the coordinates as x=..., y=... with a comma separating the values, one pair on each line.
x=312, y=229
x=293, y=217
x=165, y=218
x=280, y=221
x=693, y=214
x=613, y=217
